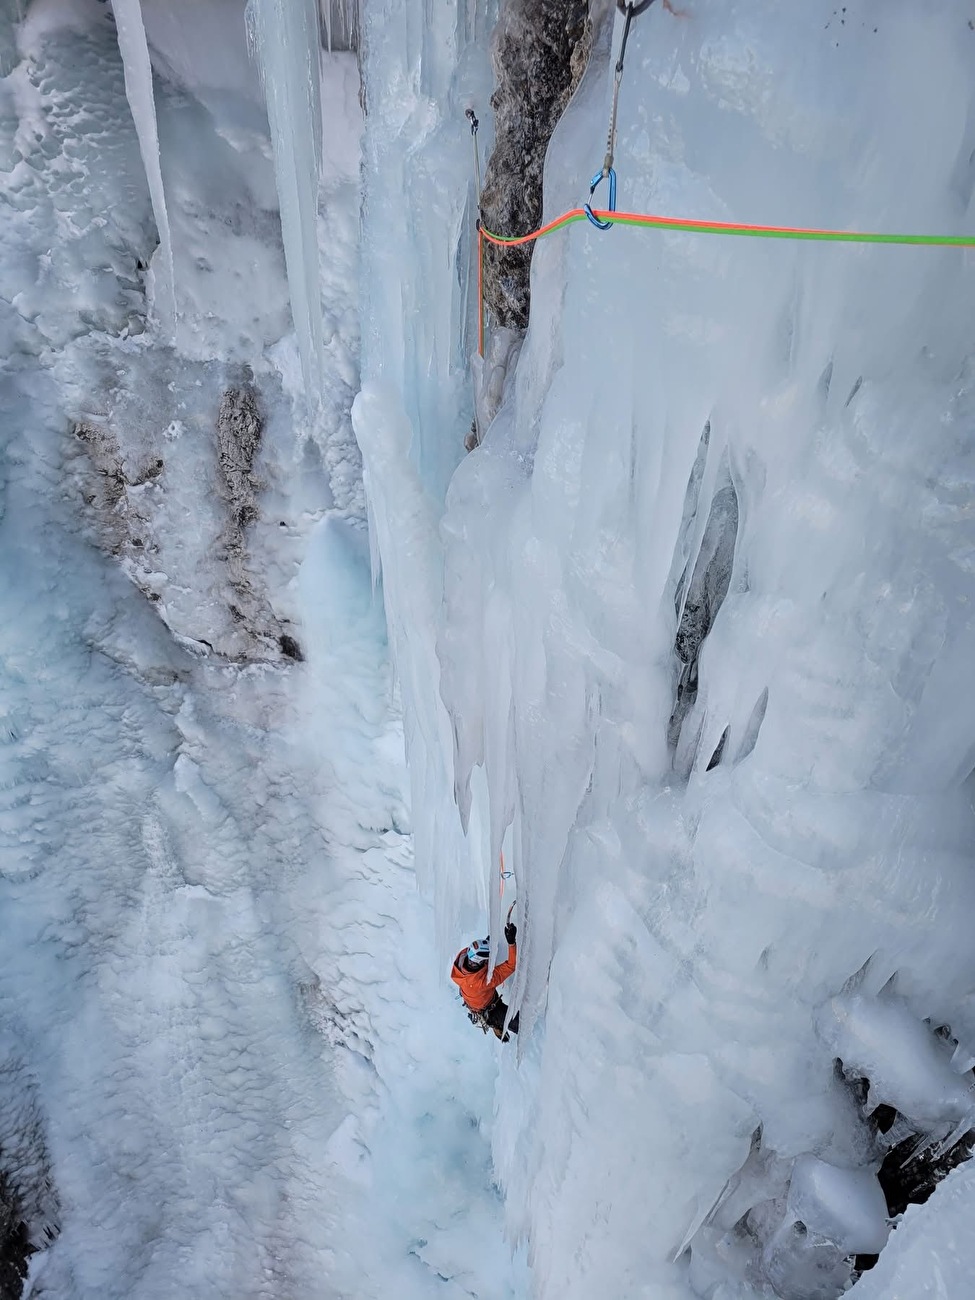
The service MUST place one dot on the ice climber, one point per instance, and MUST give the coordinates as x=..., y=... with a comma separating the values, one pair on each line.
x=484, y=1004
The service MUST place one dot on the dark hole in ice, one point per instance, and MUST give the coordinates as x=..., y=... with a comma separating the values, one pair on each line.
x=715, y=758
x=915, y=1166
x=916, y=1161
x=290, y=648
x=884, y=1117
x=701, y=591
x=753, y=726
x=861, y=1263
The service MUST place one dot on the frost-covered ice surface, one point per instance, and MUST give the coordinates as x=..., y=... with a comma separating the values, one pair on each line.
x=701, y=613
x=220, y=1015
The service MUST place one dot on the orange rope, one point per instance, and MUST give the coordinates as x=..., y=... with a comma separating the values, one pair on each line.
x=480, y=291
x=694, y=226
x=564, y=220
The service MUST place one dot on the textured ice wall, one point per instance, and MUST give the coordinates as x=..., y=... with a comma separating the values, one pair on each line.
x=681, y=923
x=422, y=68
x=730, y=758
x=423, y=65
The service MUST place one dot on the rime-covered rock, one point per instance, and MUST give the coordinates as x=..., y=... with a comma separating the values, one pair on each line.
x=132, y=502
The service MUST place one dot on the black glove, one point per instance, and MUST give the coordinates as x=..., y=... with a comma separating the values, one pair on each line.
x=510, y=933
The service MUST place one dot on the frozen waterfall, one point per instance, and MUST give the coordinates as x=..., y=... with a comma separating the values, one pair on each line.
x=706, y=592
x=687, y=637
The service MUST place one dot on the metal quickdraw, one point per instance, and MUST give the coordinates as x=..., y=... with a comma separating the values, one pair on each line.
x=606, y=172
x=472, y=118
x=477, y=1018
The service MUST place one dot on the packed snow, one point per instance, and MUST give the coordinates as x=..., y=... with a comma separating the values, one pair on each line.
x=286, y=671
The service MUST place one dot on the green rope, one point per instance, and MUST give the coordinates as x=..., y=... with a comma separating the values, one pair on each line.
x=734, y=228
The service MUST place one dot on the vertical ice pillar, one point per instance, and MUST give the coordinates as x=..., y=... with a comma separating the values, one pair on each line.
x=284, y=34
x=138, y=89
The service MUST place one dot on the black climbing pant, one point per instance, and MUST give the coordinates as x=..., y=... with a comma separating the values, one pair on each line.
x=494, y=1015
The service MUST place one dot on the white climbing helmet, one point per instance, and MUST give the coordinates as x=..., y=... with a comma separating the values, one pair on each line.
x=479, y=952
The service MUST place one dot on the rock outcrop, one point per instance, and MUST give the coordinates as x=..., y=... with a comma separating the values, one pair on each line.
x=540, y=51
x=185, y=536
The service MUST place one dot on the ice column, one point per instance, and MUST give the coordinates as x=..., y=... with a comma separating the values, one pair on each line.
x=138, y=89
x=284, y=36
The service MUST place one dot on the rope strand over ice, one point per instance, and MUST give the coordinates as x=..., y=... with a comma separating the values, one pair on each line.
x=692, y=226
x=689, y=225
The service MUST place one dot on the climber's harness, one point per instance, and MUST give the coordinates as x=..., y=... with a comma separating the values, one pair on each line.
x=480, y=1018
x=606, y=172
x=477, y=1018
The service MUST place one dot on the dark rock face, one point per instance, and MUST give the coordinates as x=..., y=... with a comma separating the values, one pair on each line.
x=915, y=1162
x=540, y=52
x=290, y=648
x=30, y=1211
x=15, y=1247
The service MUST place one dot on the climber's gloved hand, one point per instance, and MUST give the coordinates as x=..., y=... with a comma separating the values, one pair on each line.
x=510, y=933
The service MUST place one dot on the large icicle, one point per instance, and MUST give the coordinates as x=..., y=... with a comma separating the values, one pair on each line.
x=138, y=89
x=285, y=38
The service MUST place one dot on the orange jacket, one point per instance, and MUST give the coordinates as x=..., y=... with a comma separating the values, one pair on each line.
x=475, y=987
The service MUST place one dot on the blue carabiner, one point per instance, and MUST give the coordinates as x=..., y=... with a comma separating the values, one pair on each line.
x=602, y=175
